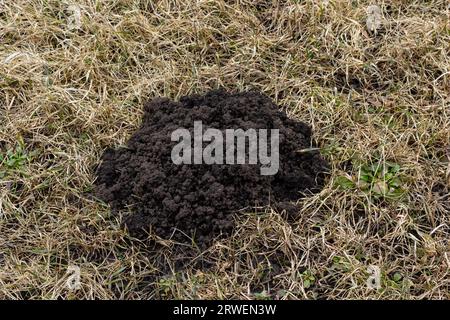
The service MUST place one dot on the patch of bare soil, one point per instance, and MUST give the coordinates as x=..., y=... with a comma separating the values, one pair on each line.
x=200, y=199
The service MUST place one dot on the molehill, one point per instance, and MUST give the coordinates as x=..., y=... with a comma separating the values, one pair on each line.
x=179, y=201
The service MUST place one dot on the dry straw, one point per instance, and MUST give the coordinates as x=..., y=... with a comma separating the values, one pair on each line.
x=375, y=100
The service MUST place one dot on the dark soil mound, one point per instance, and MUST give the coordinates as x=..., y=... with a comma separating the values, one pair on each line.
x=200, y=199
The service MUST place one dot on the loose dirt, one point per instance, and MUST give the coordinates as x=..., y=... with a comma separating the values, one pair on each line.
x=199, y=200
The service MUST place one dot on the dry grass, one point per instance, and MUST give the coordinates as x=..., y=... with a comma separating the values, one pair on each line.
x=372, y=98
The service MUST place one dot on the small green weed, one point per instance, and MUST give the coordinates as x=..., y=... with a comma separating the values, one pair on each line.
x=378, y=180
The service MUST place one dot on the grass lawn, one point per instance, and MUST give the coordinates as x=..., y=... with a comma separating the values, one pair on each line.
x=375, y=89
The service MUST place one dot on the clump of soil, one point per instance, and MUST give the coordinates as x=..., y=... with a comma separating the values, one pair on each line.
x=200, y=199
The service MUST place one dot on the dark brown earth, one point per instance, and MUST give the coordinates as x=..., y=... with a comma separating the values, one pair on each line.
x=200, y=200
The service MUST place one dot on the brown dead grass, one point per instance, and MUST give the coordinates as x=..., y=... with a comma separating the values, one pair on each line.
x=384, y=97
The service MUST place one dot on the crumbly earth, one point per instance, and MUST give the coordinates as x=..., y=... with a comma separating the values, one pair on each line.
x=200, y=199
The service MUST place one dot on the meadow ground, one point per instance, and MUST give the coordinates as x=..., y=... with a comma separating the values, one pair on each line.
x=73, y=80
